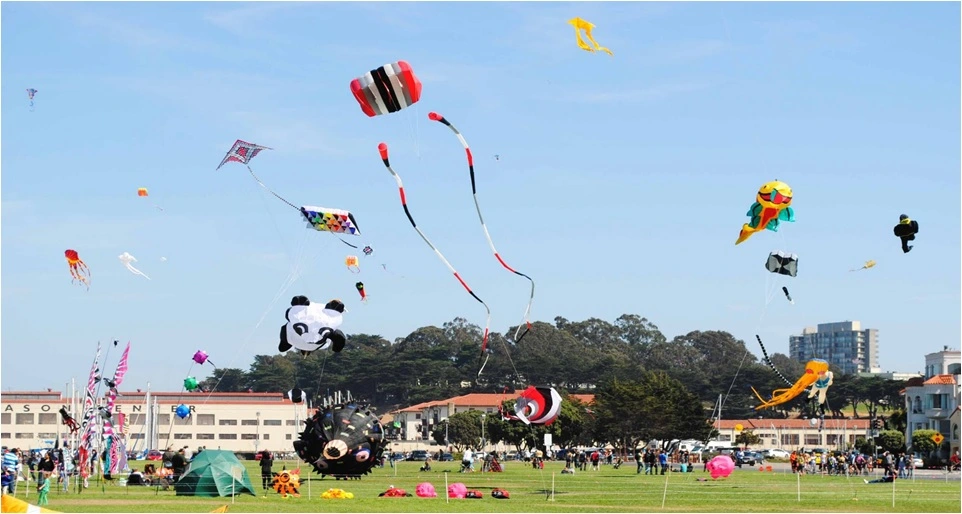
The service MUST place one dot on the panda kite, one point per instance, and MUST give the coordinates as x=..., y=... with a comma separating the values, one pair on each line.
x=311, y=326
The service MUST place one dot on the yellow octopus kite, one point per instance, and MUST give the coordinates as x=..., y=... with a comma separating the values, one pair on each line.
x=586, y=26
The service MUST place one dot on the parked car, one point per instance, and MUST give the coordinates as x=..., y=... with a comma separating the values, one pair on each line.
x=776, y=453
x=759, y=457
x=918, y=463
x=418, y=455
x=447, y=457
x=746, y=458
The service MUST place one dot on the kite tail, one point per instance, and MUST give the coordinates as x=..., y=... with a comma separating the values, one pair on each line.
x=769, y=362
x=382, y=148
x=597, y=46
x=279, y=197
x=474, y=192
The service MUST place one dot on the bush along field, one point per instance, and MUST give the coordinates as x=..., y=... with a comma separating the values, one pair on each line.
x=535, y=490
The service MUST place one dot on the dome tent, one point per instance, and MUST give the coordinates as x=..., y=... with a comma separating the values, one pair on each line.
x=214, y=473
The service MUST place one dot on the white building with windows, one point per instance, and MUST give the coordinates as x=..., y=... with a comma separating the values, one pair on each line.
x=240, y=422
x=934, y=404
x=844, y=344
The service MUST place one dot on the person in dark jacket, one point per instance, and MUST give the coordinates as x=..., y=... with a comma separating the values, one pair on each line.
x=267, y=474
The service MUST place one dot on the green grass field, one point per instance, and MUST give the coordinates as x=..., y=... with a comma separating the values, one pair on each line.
x=608, y=490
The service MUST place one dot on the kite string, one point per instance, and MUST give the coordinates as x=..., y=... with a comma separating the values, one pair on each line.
x=383, y=149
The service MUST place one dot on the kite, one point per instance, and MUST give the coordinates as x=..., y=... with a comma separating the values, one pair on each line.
x=383, y=150
x=906, y=230
x=474, y=192
x=536, y=405
x=78, y=269
x=142, y=192
x=200, y=357
x=342, y=440
x=296, y=395
x=242, y=152
x=497, y=157
x=182, y=411
x=190, y=384
x=31, y=92
x=127, y=259
x=287, y=482
x=387, y=89
x=360, y=289
x=586, y=26
x=787, y=295
x=867, y=265
x=772, y=205
x=782, y=263
x=68, y=420
x=721, y=466
x=351, y=262
x=335, y=221
x=312, y=327
x=816, y=375
x=368, y=250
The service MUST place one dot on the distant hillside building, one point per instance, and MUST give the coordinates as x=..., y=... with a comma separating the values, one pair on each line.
x=843, y=344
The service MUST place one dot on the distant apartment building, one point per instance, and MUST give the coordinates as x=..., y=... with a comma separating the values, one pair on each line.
x=844, y=344
x=932, y=402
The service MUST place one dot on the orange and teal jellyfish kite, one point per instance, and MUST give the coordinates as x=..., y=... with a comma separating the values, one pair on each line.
x=772, y=205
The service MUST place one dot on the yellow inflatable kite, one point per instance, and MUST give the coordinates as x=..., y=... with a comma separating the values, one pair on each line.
x=586, y=26
x=772, y=205
x=868, y=264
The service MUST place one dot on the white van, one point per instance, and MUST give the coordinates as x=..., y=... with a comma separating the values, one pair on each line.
x=716, y=445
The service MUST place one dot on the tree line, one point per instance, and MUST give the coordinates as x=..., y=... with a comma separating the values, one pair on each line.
x=609, y=359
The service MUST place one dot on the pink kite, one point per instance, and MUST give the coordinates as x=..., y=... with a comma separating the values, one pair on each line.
x=201, y=357
x=426, y=490
x=721, y=466
x=457, y=490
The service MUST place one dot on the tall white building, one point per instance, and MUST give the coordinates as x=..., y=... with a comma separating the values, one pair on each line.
x=844, y=344
x=934, y=405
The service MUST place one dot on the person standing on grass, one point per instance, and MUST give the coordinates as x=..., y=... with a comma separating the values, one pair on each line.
x=267, y=472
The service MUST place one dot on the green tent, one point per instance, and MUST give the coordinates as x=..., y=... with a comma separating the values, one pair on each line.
x=214, y=473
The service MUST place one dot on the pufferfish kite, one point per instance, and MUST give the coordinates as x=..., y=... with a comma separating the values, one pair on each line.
x=772, y=205
x=78, y=269
x=586, y=26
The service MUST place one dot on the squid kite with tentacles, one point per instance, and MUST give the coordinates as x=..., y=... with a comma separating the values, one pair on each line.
x=78, y=269
x=817, y=376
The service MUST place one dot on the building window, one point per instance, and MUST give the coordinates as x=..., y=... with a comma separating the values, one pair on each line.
x=290, y=422
x=227, y=436
x=163, y=420
x=205, y=437
x=831, y=439
x=47, y=435
x=248, y=422
x=918, y=406
x=287, y=437
x=136, y=419
x=266, y=437
x=205, y=420
x=6, y=435
x=249, y=437
x=790, y=439
x=5, y=418
x=48, y=419
x=136, y=436
x=272, y=422
x=25, y=419
x=955, y=432
x=189, y=420
x=813, y=439
x=183, y=436
x=24, y=435
x=163, y=436
x=231, y=422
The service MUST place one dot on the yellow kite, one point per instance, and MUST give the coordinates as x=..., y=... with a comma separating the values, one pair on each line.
x=868, y=264
x=586, y=26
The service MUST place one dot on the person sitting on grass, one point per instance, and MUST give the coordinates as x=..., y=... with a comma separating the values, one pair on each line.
x=890, y=475
x=427, y=465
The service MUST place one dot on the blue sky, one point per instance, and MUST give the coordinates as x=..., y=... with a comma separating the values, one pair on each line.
x=621, y=186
